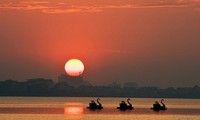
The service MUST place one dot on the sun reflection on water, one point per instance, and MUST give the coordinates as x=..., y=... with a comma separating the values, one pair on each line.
x=73, y=111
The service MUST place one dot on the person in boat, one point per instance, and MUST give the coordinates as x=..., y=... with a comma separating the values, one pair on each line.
x=156, y=105
x=123, y=104
x=92, y=104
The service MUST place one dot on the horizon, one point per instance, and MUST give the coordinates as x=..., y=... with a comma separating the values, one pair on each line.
x=70, y=86
x=81, y=79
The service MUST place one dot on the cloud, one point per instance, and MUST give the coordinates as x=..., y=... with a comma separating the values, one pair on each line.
x=73, y=9
x=118, y=51
x=24, y=6
x=194, y=3
x=34, y=2
x=61, y=7
x=115, y=51
x=190, y=2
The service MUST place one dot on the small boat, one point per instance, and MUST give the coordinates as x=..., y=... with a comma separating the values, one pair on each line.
x=94, y=106
x=124, y=106
x=157, y=106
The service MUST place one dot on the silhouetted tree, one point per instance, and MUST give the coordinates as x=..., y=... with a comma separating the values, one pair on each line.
x=46, y=87
x=62, y=89
x=39, y=87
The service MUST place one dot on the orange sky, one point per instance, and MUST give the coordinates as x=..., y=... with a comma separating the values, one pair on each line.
x=151, y=42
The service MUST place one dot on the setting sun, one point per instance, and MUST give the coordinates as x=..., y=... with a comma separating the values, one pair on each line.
x=74, y=67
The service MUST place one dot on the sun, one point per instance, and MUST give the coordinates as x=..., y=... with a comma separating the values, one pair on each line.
x=74, y=67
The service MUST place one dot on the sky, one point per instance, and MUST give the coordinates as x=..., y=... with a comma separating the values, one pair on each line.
x=150, y=42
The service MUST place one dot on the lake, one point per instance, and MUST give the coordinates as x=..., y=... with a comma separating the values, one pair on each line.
x=74, y=108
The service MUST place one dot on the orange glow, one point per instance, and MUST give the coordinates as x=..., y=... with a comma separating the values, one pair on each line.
x=74, y=67
x=73, y=111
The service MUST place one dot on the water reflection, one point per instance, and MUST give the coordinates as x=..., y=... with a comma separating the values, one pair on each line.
x=73, y=111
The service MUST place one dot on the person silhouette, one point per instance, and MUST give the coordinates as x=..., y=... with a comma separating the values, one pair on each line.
x=92, y=104
x=156, y=105
x=123, y=104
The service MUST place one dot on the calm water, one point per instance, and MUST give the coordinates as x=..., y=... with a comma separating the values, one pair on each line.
x=74, y=108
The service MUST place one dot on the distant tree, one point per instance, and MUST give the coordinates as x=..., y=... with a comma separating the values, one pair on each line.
x=10, y=88
x=148, y=92
x=39, y=87
x=62, y=89
x=130, y=85
x=46, y=87
x=129, y=92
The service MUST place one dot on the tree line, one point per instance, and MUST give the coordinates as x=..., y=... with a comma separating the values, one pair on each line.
x=47, y=87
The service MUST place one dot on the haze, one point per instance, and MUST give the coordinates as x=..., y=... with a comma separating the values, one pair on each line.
x=150, y=42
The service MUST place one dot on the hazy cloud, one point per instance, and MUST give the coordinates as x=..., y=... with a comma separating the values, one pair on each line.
x=188, y=1
x=117, y=51
x=71, y=9
x=61, y=7
x=24, y=5
x=34, y=2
